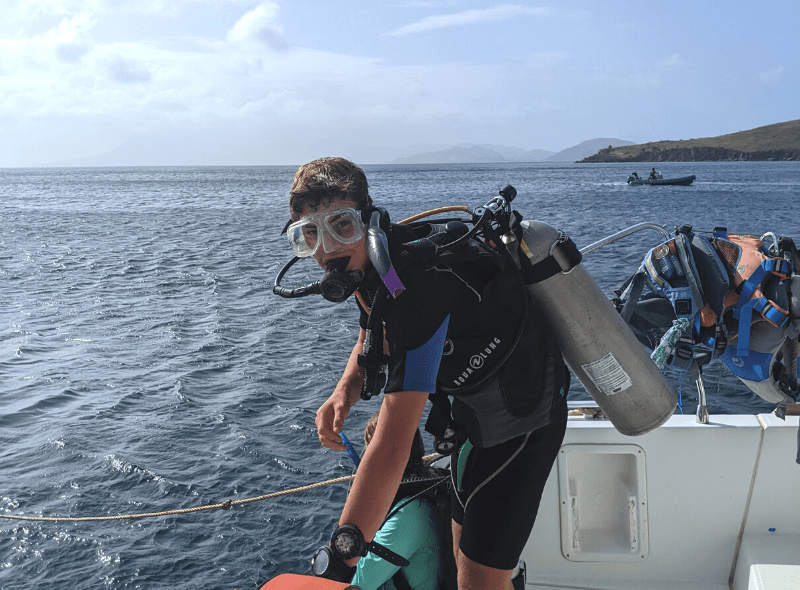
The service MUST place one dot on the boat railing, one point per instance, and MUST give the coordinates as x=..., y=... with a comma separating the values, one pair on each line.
x=624, y=233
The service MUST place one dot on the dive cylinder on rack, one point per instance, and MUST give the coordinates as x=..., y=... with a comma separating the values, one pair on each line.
x=596, y=342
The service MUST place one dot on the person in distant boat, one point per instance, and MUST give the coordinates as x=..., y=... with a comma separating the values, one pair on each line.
x=453, y=325
x=635, y=175
x=653, y=174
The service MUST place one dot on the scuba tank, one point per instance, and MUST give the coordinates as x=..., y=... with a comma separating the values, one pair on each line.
x=596, y=342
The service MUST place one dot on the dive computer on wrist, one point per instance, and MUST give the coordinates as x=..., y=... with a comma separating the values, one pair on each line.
x=347, y=542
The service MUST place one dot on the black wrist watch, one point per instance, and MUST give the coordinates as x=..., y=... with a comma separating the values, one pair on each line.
x=347, y=542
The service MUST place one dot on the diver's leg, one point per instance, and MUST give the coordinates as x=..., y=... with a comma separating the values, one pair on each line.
x=474, y=576
x=456, y=538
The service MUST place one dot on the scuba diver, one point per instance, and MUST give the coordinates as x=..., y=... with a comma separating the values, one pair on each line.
x=411, y=530
x=442, y=326
x=653, y=174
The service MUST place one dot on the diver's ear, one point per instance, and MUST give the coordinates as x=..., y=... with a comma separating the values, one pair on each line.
x=366, y=216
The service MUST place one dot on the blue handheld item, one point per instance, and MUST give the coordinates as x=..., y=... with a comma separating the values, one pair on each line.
x=350, y=450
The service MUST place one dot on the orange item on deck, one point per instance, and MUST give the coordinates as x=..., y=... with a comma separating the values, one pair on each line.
x=298, y=582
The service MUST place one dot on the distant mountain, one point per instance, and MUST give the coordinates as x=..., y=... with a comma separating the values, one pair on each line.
x=467, y=153
x=536, y=156
x=514, y=154
x=586, y=149
x=454, y=155
x=780, y=141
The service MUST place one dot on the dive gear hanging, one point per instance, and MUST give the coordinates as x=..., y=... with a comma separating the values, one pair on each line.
x=737, y=295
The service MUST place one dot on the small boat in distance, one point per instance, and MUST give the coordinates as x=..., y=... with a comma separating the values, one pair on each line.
x=634, y=180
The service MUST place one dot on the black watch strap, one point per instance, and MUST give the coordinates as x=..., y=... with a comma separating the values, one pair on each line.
x=387, y=554
x=359, y=548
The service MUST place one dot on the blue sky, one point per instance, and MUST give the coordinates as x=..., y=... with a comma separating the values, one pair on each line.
x=200, y=82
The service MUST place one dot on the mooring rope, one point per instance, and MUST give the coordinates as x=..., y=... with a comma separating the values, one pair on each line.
x=226, y=505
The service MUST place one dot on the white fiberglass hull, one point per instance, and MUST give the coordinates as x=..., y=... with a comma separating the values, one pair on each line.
x=688, y=505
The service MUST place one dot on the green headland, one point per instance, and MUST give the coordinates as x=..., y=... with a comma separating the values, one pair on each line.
x=780, y=141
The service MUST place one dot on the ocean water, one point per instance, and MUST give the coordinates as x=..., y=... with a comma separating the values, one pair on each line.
x=146, y=366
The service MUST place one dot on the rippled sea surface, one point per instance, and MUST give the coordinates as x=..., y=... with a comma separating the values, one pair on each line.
x=146, y=366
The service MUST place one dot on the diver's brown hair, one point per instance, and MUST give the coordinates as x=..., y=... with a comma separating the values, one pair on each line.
x=321, y=181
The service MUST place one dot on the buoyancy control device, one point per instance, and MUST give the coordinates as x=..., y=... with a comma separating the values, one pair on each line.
x=596, y=343
x=739, y=302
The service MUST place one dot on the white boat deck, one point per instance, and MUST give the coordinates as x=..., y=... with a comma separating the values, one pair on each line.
x=687, y=506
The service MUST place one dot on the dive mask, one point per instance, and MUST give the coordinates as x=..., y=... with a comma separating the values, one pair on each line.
x=333, y=229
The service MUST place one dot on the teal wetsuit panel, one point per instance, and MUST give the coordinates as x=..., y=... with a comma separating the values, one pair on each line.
x=410, y=533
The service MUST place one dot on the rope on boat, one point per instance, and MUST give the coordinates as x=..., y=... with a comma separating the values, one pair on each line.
x=226, y=505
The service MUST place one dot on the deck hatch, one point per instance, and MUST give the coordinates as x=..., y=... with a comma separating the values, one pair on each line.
x=603, y=502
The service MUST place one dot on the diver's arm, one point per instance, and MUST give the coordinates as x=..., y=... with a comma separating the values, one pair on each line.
x=382, y=466
x=331, y=414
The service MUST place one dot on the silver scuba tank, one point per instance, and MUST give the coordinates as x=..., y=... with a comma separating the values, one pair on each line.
x=596, y=342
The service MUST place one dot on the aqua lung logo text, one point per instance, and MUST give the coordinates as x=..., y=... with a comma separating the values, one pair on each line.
x=476, y=362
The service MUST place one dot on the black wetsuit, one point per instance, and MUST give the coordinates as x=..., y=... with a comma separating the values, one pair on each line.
x=450, y=329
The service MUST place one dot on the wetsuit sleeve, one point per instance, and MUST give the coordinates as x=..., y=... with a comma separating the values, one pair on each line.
x=420, y=365
x=416, y=330
x=406, y=533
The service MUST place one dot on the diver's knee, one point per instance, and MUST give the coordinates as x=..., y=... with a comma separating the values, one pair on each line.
x=474, y=576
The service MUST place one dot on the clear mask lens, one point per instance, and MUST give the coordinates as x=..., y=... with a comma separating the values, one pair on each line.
x=334, y=229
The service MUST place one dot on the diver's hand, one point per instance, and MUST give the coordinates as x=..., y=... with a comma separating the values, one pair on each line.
x=330, y=420
x=331, y=414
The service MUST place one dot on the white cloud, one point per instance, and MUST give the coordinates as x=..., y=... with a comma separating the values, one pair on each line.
x=40, y=55
x=772, y=75
x=497, y=13
x=28, y=9
x=128, y=72
x=261, y=24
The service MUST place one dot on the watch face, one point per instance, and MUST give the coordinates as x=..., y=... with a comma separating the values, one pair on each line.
x=346, y=545
x=347, y=542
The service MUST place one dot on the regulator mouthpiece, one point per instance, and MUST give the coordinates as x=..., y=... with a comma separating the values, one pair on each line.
x=337, y=284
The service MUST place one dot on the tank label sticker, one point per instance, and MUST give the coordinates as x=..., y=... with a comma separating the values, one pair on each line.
x=608, y=375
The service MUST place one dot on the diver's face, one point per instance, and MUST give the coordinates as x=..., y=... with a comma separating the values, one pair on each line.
x=357, y=251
